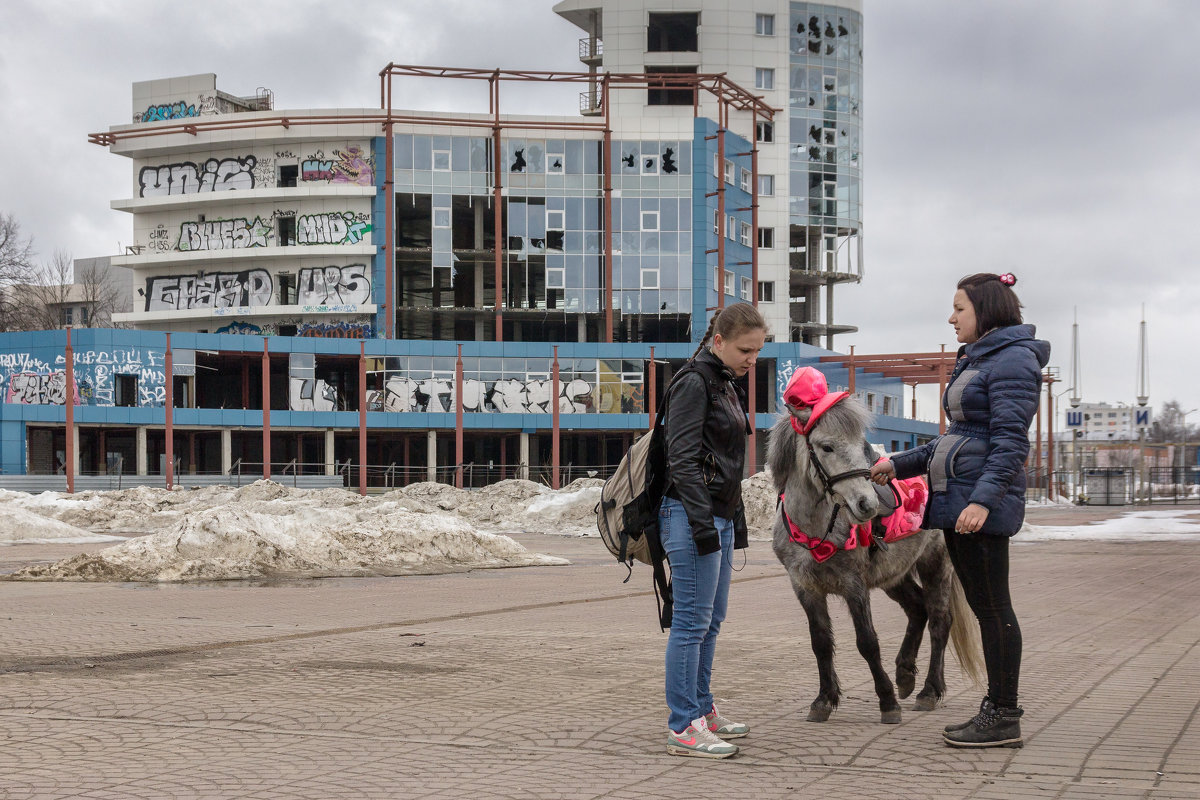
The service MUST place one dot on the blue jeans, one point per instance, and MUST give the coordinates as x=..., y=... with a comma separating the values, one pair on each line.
x=700, y=587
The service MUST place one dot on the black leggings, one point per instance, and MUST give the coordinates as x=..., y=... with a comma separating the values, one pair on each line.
x=981, y=561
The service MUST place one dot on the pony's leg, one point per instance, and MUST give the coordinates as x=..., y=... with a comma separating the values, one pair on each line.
x=868, y=645
x=936, y=576
x=820, y=633
x=909, y=595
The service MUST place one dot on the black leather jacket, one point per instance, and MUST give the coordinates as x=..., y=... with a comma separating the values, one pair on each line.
x=706, y=449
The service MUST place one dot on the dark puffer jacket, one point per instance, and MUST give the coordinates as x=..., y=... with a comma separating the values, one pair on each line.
x=991, y=399
x=706, y=450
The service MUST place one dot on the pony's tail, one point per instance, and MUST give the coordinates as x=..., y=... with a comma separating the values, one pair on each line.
x=964, y=634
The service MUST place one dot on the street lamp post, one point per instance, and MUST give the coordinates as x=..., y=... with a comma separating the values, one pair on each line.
x=1183, y=415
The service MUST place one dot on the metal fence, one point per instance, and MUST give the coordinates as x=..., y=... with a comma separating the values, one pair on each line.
x=1109, y=486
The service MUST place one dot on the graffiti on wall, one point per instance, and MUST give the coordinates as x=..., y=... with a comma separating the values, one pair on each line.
x=33, y=389
x=311, y=394
x=332, y=286
x=506, y=396
x=252, y=287
x=188, y=177
x=334, y=228
x=336, y=330
x=351, y=165
x=241, y=328
x=27, y=379
x=166, y=111
x=223, y=234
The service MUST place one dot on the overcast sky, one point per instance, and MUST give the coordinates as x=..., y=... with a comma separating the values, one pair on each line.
x=1057, y=139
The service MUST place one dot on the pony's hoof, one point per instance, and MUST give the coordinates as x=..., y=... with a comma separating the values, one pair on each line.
x=819, y=712
x=927, y=703
x=892, y=717
x=906, y=681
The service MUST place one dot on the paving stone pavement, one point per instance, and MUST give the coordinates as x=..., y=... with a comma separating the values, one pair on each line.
x=545, y=682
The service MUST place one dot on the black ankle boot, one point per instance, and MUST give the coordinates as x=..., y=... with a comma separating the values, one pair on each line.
x=986, y=707
x=991, y=727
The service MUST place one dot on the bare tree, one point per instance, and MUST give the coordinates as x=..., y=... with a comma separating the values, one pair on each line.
x=42, y=300
x=99, y=294
x=16, y=267
x=1170, y=425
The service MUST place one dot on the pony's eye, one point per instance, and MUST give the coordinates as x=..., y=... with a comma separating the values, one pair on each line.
x=826, y=448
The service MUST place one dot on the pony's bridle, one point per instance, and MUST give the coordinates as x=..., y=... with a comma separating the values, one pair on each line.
x=827, y=482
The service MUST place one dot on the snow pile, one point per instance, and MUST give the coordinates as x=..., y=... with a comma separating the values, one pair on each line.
x=758, y=496
x=18, y=524
x=282, y=540
x=1132, y=526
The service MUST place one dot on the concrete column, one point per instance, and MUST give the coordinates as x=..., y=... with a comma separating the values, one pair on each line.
x=140, y=447
x=581, y=330
x=431, y=456
x=523, y=470
x=330, y=464
x=226, y=451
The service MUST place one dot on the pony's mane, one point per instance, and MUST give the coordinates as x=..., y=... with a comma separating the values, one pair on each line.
x=846, y=419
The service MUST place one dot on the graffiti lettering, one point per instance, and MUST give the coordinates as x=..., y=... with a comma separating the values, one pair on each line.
x=306, y=394
x=322, y=286
x=30, y=389
x=189, y=178
x=336, y=330
x=314, y=170
x=215, y=290
x=507, y=396
x=178, y=110
x=224, y=234
x=240, y=328
x=333, y=228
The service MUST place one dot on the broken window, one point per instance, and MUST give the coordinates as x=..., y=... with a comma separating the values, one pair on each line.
x=668, y=161
x=126, y=390
x=649, y=165
x=285, y=231
x=666, y=93
x=556, y=158
x=518, y=163
x=288, y=173
x=287, y=288
x=673, y=33
x=764, y=132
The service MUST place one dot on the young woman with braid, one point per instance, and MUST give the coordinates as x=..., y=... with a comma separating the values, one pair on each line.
x=702, y=520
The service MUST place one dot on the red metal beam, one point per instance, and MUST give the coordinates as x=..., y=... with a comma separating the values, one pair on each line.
x=69, y=445
x=554, y=429
x=266, y=411
x=389, y=235
x=169, y=415
x=608, y=212
x=362, y=418
x=458, y=419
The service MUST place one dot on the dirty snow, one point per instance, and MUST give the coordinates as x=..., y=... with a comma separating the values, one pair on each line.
x=1150, y=525
x=266, y=529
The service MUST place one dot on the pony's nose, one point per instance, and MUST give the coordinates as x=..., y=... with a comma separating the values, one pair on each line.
x=865, y=507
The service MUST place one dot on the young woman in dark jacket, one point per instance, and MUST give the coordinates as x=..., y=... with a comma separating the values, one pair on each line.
x=977, y=482
x=701, y=521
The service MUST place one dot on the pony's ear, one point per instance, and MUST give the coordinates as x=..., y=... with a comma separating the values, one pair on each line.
x=781, y=452
x=802, y=415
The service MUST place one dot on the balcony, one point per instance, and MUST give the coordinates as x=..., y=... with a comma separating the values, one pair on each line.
x=590, y=103
x=591, y=51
